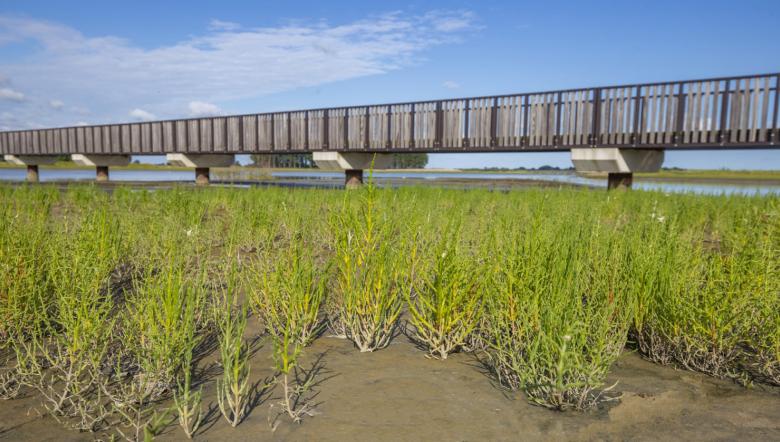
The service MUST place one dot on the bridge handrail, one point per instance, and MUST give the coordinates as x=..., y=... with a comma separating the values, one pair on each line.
x=722, y=112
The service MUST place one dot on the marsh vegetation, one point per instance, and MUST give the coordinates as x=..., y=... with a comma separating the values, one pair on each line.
x=117, y=309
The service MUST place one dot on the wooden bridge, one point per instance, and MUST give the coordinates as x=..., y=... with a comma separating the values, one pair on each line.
x=716, y=113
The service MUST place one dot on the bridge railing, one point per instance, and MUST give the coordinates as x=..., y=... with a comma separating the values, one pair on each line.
x=734, y=112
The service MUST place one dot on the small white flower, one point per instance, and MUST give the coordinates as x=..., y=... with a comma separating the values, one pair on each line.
x=567, y=338
x=189, y=232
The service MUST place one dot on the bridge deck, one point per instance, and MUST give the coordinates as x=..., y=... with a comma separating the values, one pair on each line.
x=727, y=113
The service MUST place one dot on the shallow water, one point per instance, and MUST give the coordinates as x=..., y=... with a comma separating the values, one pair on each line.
x=567, y=178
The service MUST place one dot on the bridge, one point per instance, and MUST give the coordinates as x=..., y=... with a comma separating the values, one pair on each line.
x=614, y=129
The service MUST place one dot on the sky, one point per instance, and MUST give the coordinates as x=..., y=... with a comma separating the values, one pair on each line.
x=91, y=62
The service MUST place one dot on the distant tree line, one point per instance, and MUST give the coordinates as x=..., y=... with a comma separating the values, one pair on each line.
x=291, y=161
x=410, y=160
x=505, y=169
x=305, y=160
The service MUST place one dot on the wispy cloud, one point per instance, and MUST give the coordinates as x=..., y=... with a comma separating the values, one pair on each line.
x=227, y=62
x=56, y=104
x=220, y=25
x=142, y=115
x=203, y=109
x=449, y=84
x=9, y=94
x=443, y=21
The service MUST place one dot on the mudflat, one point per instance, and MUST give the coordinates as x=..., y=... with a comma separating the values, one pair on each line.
x=398, y=394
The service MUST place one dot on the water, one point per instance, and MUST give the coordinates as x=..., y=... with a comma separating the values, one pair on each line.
x=88, y=175
x=568, y=178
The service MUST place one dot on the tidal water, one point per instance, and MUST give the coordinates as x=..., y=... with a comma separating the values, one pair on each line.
x=335, y=177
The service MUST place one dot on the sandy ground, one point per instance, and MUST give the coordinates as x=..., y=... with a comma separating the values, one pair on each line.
x=399, y=394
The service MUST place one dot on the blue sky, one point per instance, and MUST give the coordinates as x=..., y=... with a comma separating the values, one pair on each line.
x=65, y=63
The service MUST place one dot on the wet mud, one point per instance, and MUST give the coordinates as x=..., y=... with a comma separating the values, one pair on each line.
x=399, y=394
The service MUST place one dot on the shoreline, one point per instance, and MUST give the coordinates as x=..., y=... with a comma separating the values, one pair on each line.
x=690, y=176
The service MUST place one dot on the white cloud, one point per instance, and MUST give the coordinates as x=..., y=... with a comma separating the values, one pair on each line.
x=82, y=123
x=443, y=21
x=142, y=115
x=449, y=84
x=11, y=95
x=203, y=109
x=220, y=25
x=108, y=75
x=56, y=104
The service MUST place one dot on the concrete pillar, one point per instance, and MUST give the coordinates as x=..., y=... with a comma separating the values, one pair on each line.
x=201, y=163
x=201, y=176
x=352, y=163
x=100, y=162
x=619, y=180
x=353, y=178
x=32, y=173
x=619, y=164
x=32, y=162
x=101, y=173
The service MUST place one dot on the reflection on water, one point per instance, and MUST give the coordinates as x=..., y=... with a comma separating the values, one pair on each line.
x=253, y=174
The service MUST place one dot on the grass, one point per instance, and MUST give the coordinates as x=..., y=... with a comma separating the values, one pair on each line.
x=112, y=304
x=755, y=175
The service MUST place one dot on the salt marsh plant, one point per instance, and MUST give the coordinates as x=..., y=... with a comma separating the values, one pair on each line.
x=105, y=298
x=162, y=325
x=135, y=416
x=288, y=296
x=188, y=401
x=367, y=295
x=287, y=347
x=709, y=297
x=24, y=284
x=445, y=305
x=554, y=321
x=64, y=359
x=233, y=389
x=287, y=292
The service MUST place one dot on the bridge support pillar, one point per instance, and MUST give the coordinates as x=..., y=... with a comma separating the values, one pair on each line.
x=619, y=180
x=101, y=173
x=32, y=173
x=353, y=178
x=202, y=175
x=619, y=164
x=101, y=163
x=352, y=163
x=32, y=162
x=201, y=163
